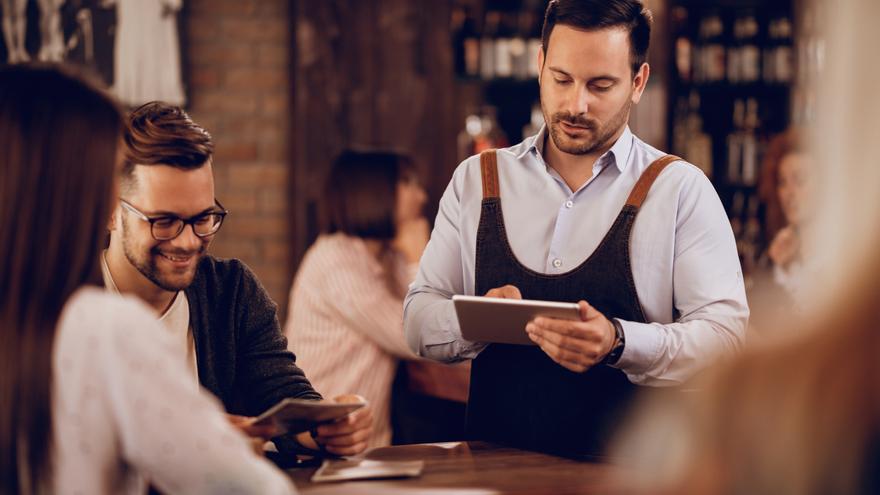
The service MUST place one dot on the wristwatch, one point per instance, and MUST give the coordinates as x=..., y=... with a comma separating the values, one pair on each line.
x=619, y=343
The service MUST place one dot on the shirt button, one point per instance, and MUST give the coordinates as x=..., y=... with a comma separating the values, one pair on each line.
x=569, y=204
x=557, y=263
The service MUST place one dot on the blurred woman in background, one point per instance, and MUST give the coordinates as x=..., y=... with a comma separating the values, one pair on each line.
x=787, y=189
x=91, y=400
x=802, y=416
x=784, y=271
x=345, y=321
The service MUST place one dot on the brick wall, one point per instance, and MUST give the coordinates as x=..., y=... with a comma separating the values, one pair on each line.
x=237, y=61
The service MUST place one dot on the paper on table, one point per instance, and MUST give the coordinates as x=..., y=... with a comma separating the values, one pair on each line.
x=359, y=469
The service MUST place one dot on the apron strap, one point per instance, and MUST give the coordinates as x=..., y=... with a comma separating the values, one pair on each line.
x=640, y=191
x=489, y=169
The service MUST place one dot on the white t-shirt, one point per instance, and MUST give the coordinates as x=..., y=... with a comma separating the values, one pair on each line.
x=124, y=413
x=175, y=320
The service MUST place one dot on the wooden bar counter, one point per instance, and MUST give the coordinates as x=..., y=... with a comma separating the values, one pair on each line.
x=474, y=468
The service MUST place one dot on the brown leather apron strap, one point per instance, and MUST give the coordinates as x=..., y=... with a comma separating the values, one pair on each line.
x=489, y=169
x=640, y=191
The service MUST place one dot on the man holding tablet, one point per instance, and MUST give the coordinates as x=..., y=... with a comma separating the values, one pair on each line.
x=593, y=215
x=221, y=317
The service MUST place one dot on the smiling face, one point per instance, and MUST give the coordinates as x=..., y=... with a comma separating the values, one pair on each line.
x=163, y=190
x=588, y=88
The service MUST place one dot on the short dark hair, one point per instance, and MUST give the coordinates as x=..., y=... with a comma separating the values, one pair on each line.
x=631, y=15
x=361, y=191
x=157, y=133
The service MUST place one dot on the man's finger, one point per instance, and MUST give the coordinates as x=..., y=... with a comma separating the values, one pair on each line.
x=574, y=344
x=346, y=425
x=588, y=312
x=353, y=438
x=562, y=327
x=353, y=450
x=505, y=292
x=557, y=354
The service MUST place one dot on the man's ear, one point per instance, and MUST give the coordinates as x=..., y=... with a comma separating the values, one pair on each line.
x=111, y=223
x=540, y=63
x=640, y=81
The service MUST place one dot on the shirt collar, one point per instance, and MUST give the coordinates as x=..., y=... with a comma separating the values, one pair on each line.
x=109, y=283
x=619, y=152
x=534, y=143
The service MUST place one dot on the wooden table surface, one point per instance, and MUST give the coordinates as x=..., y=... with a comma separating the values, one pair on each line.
x=474, y=468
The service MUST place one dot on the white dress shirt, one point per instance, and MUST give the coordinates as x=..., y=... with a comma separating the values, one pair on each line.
x=685, y=266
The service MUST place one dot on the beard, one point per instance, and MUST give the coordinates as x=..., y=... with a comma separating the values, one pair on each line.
x=596, y=136
x=148, y=265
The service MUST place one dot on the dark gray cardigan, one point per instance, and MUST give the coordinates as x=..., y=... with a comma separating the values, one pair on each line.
x=241, y=353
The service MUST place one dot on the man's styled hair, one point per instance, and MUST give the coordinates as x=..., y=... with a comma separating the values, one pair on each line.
x=161, y=134
x=601, y=14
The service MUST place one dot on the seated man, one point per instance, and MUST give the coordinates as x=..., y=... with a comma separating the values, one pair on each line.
x=217, y=310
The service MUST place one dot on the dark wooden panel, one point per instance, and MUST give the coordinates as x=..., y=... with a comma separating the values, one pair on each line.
x=369, y=73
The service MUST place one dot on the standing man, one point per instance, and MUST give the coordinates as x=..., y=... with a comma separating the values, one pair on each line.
x=583, y=211
x=224, y=321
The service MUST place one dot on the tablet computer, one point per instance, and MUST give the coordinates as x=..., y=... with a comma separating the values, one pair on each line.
x=296, y=415
x=503, y=321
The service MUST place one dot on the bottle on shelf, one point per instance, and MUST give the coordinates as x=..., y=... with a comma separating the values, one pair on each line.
x=711, y=55
x=467, y=137
x=488, y=49
x=504, y=50
x=749, y=242
x=735, y=214
x=533, y=45
x=778, y=54
x=684, y=47
x=481, y=132
x=466, y=43
x=519, y=45
x=810, y=46
x=734, y=143
x=491, y=135
x=698, y=148
x=744, y=57
x=742, y=144
x=750, y=150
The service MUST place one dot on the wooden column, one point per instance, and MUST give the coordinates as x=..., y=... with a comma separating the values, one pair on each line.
x=368, y=73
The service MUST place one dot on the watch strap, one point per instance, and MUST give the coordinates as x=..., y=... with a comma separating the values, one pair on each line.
x=619, y=344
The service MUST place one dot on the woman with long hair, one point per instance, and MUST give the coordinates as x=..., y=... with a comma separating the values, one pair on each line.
x=91, y=400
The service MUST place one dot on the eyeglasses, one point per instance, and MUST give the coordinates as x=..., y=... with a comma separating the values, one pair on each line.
x=167, y=227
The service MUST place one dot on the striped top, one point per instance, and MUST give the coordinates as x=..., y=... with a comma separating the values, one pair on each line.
x=345, y=324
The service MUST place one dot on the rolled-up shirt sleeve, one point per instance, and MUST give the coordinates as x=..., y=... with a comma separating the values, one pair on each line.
x=430, y=321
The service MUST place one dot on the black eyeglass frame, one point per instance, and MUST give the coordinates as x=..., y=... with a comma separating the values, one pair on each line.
x=191, y=221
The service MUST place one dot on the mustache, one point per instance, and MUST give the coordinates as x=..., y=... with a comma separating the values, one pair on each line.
x=575, y=120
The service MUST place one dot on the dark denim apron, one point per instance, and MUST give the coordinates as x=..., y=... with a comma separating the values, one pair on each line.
x=518, y=395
